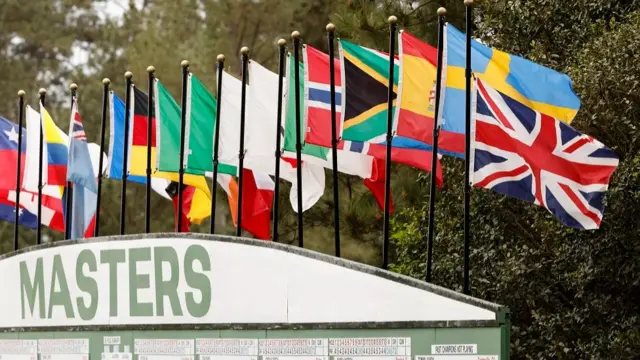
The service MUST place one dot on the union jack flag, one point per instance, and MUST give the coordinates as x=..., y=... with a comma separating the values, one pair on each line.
x=525, y=154
x=77, y=130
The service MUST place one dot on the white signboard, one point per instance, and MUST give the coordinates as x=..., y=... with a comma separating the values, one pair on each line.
x=223, y=349
x=190, y=281
x=294, y=349
x=454, y=349
x=384, y=348
x=457, y=357
x=63, y=349
x=164, y=349
x=18, y=349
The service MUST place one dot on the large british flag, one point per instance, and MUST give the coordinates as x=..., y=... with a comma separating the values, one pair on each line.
x=528, y=155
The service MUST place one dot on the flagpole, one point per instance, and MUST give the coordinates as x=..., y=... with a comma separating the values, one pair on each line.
x=43, y=94
x=436, y=132
x=147, y=218
x=387, y=181
x=245, y=61
x=125, y=163
x=183, y=125
x=216, y=142
x=467, y=184
x=16, y=227
x=282, y=43
x=331, y=32
x=296, y=50
x=69, y=194
x=103, y=123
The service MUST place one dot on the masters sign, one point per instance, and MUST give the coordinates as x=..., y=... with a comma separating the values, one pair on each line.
x=190, y=280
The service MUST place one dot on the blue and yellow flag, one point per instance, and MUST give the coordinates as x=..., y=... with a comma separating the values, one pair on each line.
x=538, y=87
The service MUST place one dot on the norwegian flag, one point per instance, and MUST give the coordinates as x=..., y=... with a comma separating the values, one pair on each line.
x=525, y=154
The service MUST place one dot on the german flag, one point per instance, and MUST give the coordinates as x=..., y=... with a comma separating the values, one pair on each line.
x=365, y=78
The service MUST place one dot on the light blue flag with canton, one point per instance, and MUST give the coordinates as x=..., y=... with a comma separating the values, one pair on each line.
x=80, y=173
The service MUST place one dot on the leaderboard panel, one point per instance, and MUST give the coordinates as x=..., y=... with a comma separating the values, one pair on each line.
x=129, y=347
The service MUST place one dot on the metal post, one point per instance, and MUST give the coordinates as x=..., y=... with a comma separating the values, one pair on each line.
x=183, y=125
x=296, y=58
x=436, y=131
x=43, y=94
x=216, y=142
x=331, y=32
x=69, y=201
x=147, y=210
x=103, y=123
x=125, y=166
x=467, y=184
x=16, y=226
x=282, y=43
x=387, y=182
x=245, y=62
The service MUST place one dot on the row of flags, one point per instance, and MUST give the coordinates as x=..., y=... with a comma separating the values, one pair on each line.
x=521, y=143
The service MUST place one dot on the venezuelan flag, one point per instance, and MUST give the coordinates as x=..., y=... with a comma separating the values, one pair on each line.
x=414, y=120
x=538, y=87
x=56, y=142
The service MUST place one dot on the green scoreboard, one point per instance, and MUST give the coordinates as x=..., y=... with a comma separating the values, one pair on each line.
x=194, y=296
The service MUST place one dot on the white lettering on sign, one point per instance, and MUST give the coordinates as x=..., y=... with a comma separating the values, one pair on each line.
x=387, y=346
x=453, y=349
x=111, y=340
x=457, y=357
x=163, y=347
x=24, y=347
x=293, y=349
x=116, y=356
x=230, y=347
x=63, y=346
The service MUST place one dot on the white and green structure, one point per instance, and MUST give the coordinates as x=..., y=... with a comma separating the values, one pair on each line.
x=196, y=296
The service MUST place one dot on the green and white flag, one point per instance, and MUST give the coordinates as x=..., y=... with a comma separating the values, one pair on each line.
x=199, y=130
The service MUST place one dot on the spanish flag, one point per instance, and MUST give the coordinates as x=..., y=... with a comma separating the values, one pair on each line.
x=414, y=119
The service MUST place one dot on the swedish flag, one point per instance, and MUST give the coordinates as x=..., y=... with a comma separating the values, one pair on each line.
x=538, y=87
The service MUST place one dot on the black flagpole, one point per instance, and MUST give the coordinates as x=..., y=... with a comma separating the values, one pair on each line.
x=296, y=50
x=103, y=123
x=467, y=184
x=216, y=142
x=16, y=227
x=282, y=43
x=245, y=61
x=125, y=163
x=436, y=132
x=331, y=32
x=387, y=182
x=43, y=94
x=69, y=201
x=147, y=211
x=183, y=125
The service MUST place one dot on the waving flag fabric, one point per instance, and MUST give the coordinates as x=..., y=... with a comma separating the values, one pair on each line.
x=52, y=215
x=84, y=179
x=117, y=141
x=539, y=88
x=415, y=104
x=526, y=154
x=317, y=96
x=54, y=151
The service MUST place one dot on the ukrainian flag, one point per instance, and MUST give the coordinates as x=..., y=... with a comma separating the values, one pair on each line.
x=538, y=87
